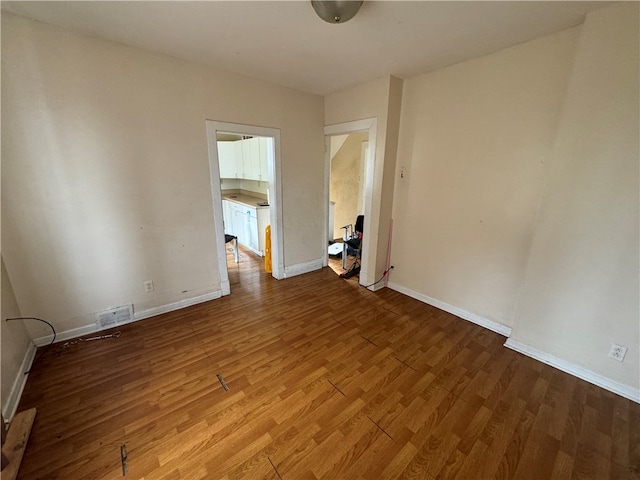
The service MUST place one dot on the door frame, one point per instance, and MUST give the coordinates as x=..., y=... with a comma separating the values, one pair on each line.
x=275, y=198
x=370, y=126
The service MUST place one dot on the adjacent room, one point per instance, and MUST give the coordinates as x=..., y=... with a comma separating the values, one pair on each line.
x=175, y=180
x=347, y=156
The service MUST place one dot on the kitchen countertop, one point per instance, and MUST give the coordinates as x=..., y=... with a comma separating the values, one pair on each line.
x=246, y=200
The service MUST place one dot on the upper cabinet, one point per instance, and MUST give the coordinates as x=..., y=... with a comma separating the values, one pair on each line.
x=266, y=156
x=251, y=158
x=230, y=158
x=245, y=159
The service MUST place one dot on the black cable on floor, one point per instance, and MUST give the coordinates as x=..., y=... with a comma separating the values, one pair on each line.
x=36, y=358
x=380, y=279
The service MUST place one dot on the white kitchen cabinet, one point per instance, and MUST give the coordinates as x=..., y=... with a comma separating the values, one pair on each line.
x=251, y=158
x=230, y=159
x=245, y=159
x=266, y=154
x=251, y=230
x=226, y=159
x=239, y=224
x=234, y=218
x=248, y=172
x=227, y=216
x=247, y=223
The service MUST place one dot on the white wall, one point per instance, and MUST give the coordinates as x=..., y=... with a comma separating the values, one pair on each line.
x=582, y=286
x=105, y=171
x=16, y=346
x=380, y=99
x=474, y=142
x=519, y=205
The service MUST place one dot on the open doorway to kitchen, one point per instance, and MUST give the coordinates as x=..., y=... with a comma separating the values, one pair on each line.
x=244, y=164
x=349, y=170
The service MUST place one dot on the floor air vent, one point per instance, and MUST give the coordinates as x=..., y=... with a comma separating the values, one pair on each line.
x=114, y=316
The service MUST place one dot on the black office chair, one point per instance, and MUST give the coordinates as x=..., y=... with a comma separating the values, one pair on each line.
x=352, y=245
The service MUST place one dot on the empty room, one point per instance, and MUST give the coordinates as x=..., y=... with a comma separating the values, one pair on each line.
x=171, y=233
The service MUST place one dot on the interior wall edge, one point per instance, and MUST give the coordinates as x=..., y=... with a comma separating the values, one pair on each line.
x=590, y=376
x=10, y=407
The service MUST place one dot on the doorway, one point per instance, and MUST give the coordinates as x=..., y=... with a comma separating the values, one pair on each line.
x=357, y=140
x=272, y=184
x=346, y=198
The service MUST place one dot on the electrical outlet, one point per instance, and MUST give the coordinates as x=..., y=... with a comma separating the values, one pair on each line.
x=148, y=286
x=617, y=352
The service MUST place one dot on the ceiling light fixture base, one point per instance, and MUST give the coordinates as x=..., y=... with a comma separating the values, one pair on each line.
x=336, y=11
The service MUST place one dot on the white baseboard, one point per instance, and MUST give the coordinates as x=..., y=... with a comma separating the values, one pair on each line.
x=621, y=389
x=458, y=312
x=66, y=335
x=302, y=268
x=618, y=388
x=171, y=307
x=141, y=315
x=20, y=381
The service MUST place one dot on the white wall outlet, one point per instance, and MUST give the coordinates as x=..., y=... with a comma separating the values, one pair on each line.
x=148, y=286
x=617, y=352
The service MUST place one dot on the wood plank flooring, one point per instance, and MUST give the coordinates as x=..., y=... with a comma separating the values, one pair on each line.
x=335, y=264
x=327, y=380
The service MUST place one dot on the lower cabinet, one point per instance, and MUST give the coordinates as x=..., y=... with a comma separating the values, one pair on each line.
x=246, y=223
x=250, y=224
x=227, y=216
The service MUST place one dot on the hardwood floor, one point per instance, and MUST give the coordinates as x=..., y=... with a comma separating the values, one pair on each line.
x=326, y=380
